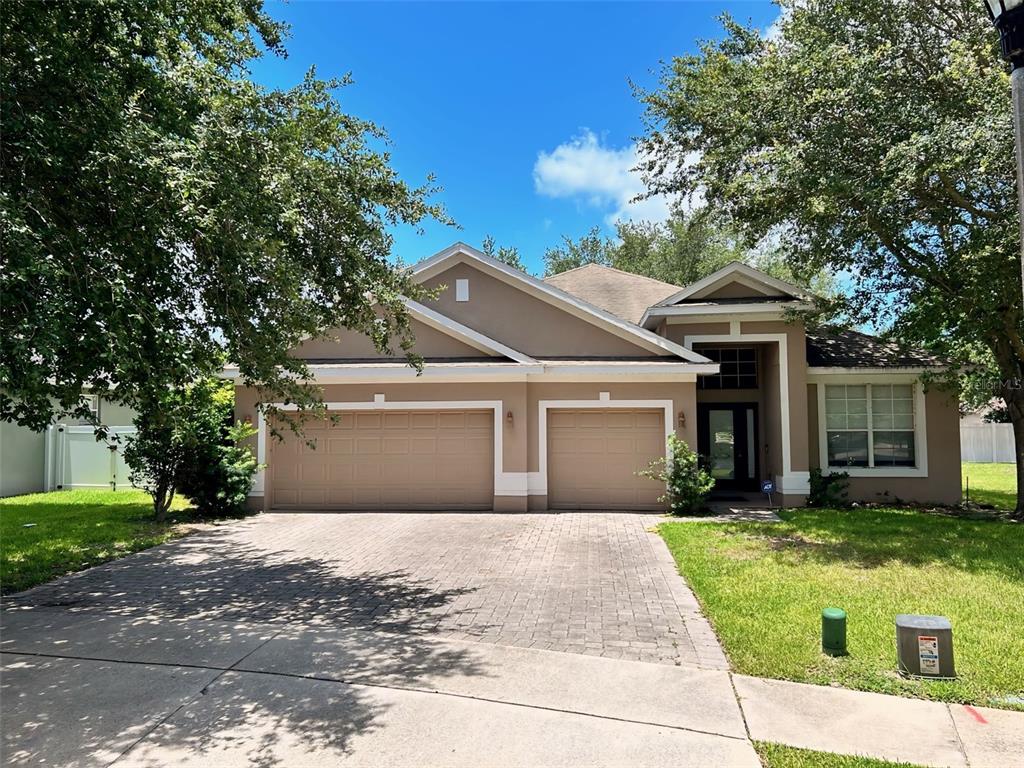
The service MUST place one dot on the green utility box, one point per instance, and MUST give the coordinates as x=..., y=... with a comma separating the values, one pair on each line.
x=833, y=631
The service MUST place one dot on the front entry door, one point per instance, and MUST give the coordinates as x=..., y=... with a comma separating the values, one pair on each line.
x=727, y=439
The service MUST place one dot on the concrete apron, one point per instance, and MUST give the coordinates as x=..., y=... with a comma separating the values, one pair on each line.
x=88, y=688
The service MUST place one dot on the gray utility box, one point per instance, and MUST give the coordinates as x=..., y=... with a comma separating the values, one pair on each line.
x=924, y=646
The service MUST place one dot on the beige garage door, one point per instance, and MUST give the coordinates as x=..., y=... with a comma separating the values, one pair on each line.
x=399, y=460
x=593, y=456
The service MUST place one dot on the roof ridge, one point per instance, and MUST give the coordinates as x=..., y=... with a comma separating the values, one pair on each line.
x=620, y=271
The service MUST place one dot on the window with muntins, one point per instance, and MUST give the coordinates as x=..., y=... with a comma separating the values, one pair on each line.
x=738, y=368
x=870, y=425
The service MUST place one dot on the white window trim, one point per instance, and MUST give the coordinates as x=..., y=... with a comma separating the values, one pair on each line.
x=790, y=481
x=505, y=483
x=537, y=483
x=462, y=289
x=920, y=426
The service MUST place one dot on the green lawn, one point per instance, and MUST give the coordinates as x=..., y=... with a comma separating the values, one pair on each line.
x=778, y=756
x=75, y=530
x=994, y=484
x=763, y=586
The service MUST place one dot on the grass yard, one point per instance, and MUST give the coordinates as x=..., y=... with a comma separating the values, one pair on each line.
x=763, y=586
x=74, y=530
x=994, y=484
x=778, y=756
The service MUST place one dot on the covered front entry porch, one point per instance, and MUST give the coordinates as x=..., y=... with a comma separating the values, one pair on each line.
x=739, y=416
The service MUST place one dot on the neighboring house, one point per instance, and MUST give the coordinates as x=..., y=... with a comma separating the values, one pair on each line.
x=552, y=394
x=66, y=455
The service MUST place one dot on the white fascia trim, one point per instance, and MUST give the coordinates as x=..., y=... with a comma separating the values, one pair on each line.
x=382, y=373
x=920, y=428
x=782, y=340
x=505, y=483
x=911, y=372
x=671, y=371
x=552, y=295
x=688, y=313
x=735, y=270
x=538, y=481
x=464, y=333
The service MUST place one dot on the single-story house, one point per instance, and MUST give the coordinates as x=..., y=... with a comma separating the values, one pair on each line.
x=551, y=394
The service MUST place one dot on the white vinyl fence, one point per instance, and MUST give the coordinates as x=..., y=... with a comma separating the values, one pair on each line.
x=987, y=442
x=75, y=459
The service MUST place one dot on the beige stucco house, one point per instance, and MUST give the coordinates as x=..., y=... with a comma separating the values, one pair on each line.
x=551, y=394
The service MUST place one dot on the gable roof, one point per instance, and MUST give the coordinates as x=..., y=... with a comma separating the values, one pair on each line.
x=460, y=252
x=737, y=271
x=623, y=294
x=846, y=348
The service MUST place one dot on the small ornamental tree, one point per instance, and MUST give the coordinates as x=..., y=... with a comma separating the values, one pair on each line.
x=185, y=443
x=687, y=484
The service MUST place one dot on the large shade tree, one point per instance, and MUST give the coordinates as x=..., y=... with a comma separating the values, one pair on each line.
x=162, y=213
x=869, y=136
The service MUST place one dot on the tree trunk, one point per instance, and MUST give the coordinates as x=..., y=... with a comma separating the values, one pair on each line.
x=161, y=502
x=1014, y=397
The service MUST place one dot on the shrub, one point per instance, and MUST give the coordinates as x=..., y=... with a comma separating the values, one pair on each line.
x=687, y=484
x=185, y=442
x=828, y=490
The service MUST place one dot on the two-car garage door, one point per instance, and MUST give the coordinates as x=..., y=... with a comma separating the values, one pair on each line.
x=388, y=460
x=594, y=454
x=444, y=459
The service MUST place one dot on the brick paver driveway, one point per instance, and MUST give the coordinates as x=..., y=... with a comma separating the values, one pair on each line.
x=593, y=583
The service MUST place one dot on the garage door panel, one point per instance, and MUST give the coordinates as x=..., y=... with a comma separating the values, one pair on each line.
x=368, y=421
x=368, y=446
x=396, y=446
x=396, y=421
x=424, y=420
x=594, y=455
x=423, y=446
x=482, y=420
x=650, y=419
x=389, y=460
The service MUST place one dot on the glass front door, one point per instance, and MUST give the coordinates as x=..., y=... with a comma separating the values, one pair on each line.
x=727, y=441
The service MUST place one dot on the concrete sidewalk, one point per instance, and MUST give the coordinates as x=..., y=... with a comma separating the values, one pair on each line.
x=90, y=688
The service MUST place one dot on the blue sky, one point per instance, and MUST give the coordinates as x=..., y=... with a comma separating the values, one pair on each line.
x=523, y=111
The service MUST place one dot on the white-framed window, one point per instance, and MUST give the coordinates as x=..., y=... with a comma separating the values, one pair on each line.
x=92, y=402
x=871, y=425
x=462, y=289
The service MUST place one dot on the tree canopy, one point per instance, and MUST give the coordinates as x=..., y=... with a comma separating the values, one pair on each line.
x=870, y=137
x=506, y=253
x=684, y=249
x=162, y=213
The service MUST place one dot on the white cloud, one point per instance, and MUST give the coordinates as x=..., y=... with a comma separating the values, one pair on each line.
x=594, y=174
x=773, y=32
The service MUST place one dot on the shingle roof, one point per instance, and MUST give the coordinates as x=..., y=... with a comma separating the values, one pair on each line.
x=623, y=294
x=845, y=348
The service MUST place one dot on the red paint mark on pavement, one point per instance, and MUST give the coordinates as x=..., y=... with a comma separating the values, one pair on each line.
x=976, y=714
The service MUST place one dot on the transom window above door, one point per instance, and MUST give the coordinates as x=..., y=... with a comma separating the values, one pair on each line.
x=738, y=368
x=870, y=425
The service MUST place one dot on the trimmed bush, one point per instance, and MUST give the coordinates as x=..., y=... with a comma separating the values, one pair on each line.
x=687, y=484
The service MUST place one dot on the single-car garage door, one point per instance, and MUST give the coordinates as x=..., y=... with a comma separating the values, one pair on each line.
x=390, y=460
x=593, y=456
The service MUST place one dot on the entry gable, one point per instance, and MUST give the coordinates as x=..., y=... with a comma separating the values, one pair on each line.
x=737, y=280
x=528, y=314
